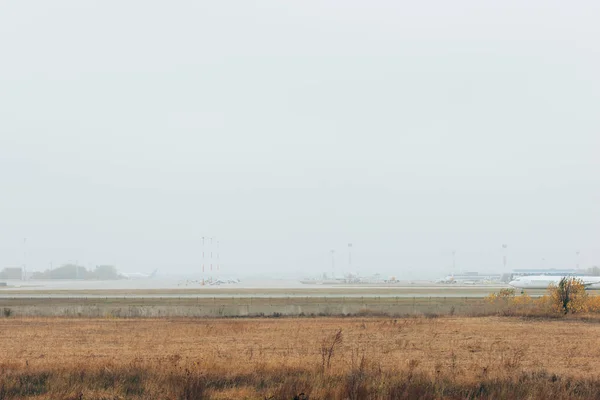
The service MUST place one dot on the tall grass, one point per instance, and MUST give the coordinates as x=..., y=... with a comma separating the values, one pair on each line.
x=363, y=382
x=318, y=358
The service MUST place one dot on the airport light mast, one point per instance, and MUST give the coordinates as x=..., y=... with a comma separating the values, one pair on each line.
x=24, y=272
x=332, y=264
x=211, y=259
x=349, y=258
x=504, y=247
x=453, y=261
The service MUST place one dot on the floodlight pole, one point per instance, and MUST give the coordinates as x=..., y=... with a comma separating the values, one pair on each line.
x=24, y=274
x=349, y=258
x=332, y=264
x=453, y=261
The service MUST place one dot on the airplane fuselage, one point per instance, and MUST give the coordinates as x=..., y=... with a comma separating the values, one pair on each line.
x=543, y=281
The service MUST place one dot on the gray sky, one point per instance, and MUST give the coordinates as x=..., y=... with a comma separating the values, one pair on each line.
x=130, y=129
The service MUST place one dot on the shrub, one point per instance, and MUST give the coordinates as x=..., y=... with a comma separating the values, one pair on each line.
x=593, y=304
x=569, y=296
x=544, y=305
x=504, y=295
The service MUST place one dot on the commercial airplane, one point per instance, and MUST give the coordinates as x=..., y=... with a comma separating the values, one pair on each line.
x=448, y=279
x=222, y=282
x=138, y=275
x=543, y=281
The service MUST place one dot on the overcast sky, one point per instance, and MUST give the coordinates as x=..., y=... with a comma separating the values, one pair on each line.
x=131, y=129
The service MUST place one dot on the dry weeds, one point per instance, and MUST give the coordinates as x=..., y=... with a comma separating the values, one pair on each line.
x=323, y=358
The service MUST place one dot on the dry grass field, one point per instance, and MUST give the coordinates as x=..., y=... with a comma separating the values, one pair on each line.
x=324, y=358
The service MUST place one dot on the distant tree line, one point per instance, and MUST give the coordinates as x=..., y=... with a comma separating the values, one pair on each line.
x=72, y=271
x=11, y=273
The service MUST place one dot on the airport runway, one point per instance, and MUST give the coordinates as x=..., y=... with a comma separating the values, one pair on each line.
x=256, y=289
x=129, y=299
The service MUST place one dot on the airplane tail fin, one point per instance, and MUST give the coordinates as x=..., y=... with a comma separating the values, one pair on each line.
x=153, y=274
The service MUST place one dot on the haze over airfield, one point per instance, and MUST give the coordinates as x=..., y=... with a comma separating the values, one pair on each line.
x=129, y=130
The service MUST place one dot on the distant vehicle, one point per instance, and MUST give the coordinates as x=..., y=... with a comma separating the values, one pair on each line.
x=543, y=281
x=138, y=275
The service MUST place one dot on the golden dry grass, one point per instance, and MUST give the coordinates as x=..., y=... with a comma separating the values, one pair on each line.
x=262, y=358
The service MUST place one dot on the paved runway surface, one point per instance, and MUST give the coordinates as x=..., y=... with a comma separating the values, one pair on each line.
x=163, y=288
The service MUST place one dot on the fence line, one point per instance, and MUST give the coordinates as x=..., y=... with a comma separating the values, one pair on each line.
x=242, y=306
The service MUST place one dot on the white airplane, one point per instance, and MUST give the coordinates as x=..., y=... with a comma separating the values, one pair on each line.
x=448, y=279
x=138, y=275
x=223, y=282
x=543, y=281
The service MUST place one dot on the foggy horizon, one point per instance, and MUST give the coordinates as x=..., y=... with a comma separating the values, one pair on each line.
x=129, y=131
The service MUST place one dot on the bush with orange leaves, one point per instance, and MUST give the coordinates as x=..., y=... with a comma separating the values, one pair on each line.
x=522, y=302
x=568, y=297
x=504, y=296
x=506, y=301
x=593, y=304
